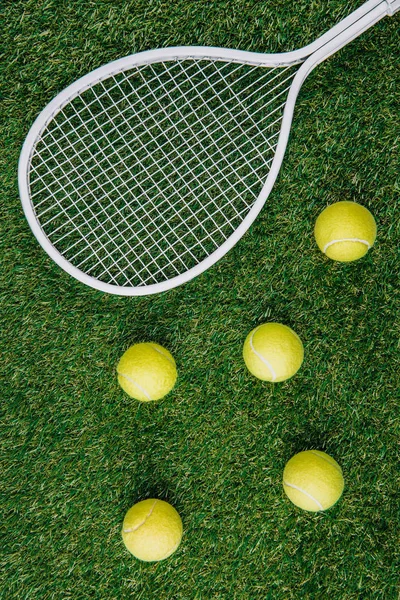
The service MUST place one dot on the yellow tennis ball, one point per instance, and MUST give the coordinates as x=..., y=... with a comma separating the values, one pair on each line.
x=345, y=231
x=273, y=352
x=313, y=480
x=147, y=371
x=152, y=530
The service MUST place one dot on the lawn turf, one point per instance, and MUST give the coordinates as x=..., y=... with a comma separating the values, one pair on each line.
x=77, y=452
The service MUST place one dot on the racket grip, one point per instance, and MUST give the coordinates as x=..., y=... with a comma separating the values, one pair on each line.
x=392, y=7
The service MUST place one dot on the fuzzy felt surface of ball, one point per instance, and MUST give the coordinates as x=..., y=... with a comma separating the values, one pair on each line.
x=147, y=371
x=313, y=480
x=152, y=530
x=345, y=231
x=273, y=352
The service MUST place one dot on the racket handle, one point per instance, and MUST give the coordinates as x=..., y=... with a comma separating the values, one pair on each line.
x=392, y=7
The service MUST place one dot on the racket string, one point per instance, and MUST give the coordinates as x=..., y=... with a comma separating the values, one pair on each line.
x=138, y=91
x=183, y=252
x=144, y=147
x=105, y=170
x=148, y=172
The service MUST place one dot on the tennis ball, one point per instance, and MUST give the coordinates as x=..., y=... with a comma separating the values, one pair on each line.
x=345, y=231
x=147, y=371
x=313, y=480
x=273, y=352
x=152, y=530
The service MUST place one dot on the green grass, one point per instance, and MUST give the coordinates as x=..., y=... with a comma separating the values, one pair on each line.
x=77, y=452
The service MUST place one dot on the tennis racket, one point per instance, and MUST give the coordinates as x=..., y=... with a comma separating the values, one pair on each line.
x=145, y=172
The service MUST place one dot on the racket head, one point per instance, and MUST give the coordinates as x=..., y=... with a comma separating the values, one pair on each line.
x=281, y=67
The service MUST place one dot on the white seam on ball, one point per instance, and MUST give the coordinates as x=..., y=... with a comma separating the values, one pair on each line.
x=264, y=360
x=162, y=353
x=295, y=487
x=135, y=383
x=337, y=467
x=346, y=240
x=131, y=529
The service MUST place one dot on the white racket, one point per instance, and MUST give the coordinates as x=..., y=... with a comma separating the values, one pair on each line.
x=145, y=172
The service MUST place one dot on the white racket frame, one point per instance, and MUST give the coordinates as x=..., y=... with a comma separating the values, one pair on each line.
x=311, y=55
